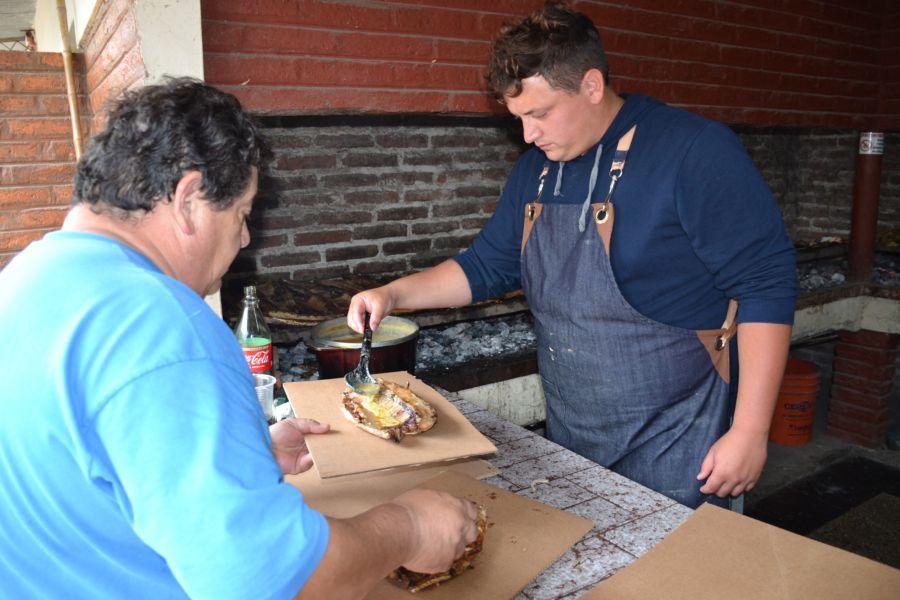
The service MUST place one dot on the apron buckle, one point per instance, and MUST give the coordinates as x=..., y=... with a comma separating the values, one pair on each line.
x=602, y=213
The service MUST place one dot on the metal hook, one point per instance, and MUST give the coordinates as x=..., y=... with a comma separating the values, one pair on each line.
x=543, y=174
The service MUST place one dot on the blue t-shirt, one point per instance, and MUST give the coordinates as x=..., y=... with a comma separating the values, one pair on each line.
x=136, y=461
x=695, y=224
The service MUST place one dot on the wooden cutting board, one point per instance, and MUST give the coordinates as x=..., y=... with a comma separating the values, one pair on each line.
x=347, y=449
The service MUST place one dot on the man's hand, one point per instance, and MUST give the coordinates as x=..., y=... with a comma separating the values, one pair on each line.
x=442, y=526
x=442, y=286
x=289, y=443
x=734, y=463
x=422, y=530
x=378, y=302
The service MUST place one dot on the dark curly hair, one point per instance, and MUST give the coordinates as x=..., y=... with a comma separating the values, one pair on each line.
x=555, y=42
x=155, y=134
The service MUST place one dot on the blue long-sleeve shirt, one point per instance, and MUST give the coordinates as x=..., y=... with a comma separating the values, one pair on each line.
x=695, y=224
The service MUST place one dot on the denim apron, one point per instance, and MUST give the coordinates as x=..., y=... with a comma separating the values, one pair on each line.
x=640, y=397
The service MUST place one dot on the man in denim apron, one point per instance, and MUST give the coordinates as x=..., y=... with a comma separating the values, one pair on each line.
x=644, y=239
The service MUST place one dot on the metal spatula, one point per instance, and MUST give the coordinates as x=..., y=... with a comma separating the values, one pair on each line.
x=359, y=378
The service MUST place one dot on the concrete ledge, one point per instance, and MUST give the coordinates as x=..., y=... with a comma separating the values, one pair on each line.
x=519, y=400
x=854, y=313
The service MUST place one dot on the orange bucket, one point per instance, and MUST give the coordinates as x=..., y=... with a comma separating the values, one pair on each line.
x=792, y=421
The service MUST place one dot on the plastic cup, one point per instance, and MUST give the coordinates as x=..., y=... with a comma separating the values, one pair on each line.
x=265, y=393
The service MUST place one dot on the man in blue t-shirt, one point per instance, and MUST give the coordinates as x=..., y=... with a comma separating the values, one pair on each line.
x=644, y=238
x=136, y=460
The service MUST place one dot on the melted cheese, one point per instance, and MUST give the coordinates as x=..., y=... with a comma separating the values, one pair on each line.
x=383, y=409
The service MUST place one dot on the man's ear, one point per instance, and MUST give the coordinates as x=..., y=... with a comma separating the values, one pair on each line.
x=593, y=85
x=185, y=200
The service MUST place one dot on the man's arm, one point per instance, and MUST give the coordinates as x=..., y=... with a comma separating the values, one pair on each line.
x=422, y=530
x=734, y=463
x=441, y=286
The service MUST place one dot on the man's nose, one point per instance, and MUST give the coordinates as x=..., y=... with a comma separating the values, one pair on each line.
x=529, y=130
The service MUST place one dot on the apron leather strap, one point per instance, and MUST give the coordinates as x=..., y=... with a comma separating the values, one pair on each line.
x=533, y=208
x=716, y=340
x=615, y=172
x=729, y=326
x=618, y=162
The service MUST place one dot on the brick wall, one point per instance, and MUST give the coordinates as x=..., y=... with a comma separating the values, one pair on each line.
x=889, y=101
x=112, y=56
x=823, y=355
x=889, y=203
x=810, y=63
x=323, y=57
x=811, y=73
x=316, y=56
x=370, y=195
x=386, y=195
x=36, y=151
x=37, y=157
x=810, y=172
x=861, y=393
x=757, y=62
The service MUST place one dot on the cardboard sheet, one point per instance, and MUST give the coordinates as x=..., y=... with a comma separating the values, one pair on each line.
x=719, y=554
x=348, y=496
x=347, y=449
x=523, y=537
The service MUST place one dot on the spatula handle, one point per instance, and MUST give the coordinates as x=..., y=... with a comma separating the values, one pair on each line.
x=366, y=342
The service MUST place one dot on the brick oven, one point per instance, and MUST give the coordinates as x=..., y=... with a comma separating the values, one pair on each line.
x=389, y=156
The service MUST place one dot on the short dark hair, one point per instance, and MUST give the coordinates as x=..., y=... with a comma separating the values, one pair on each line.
x=156, y=134
x=555, y=42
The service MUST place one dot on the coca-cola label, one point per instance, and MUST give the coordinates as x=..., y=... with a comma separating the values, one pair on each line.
x=259, y=357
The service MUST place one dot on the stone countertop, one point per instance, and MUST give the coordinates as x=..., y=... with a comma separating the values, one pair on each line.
x=629, y=519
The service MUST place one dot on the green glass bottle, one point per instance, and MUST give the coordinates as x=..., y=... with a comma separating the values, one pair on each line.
x=253, y=335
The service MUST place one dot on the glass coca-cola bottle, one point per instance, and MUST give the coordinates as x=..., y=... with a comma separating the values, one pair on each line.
x=254, y=336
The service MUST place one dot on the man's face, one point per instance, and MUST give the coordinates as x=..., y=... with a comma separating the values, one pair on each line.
x=221, y=234
x=556, y=121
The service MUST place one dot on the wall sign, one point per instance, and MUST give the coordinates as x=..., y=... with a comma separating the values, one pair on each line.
x=871, y=142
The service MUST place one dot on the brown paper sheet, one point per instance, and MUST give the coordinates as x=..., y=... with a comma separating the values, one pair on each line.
x=348, y=496
x=719, y=554
x=523, y=537
x=347, y=449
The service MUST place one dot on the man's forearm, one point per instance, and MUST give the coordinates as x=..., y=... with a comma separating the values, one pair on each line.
x=441, y=286
x=762, y=354
x=361, y=551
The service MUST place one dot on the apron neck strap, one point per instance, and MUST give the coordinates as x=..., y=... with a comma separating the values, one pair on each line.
x=615, y=172
x=582, y=220
x=618, y=162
